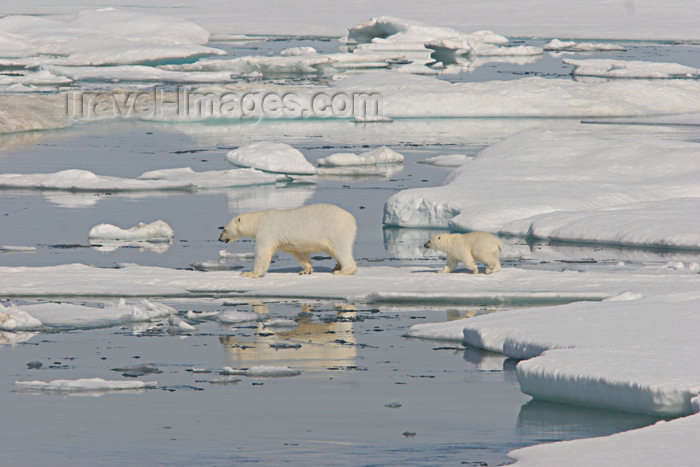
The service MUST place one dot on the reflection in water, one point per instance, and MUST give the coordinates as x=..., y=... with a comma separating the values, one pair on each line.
x=113, y=245
x=266, y=197
x=549, y=420
x=323, y=344
x=484, y=360
x=408, y=243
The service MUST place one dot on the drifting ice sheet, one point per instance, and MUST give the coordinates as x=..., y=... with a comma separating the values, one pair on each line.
x=84, y=385
x=381, y=155
x=271, y=157
x=631, y=69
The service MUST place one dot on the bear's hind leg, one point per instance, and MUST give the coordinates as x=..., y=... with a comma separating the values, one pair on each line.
x=493, y=264
x=469, y=262
x=304, y=260
x=346, y=263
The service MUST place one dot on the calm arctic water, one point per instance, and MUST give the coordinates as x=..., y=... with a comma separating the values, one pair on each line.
x=447, y=405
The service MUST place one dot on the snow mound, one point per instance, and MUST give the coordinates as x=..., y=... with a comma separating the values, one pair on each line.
x=556, y=45
x=271, y=157
x=84, y=385
x=295, y=51
x=631, y=69
x=448, y=160
x=157, y=230
x=262, y=371
x=602, y=188
x=381, y=155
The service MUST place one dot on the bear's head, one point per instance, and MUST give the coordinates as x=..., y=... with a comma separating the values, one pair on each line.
x=238, y=227
x=436, y=242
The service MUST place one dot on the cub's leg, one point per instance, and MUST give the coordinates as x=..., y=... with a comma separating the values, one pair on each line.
x=450, y=266
x=469, y=262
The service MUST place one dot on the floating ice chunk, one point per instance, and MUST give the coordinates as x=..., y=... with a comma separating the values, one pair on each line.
x=381, y=155
x=39, y=78
x=266, y=66
x=556, y=45
x=448, y=160
x=202, y=315
x=157, y=230
x=84, y=180
x=17, y=249
x=634, y=447
x=271, y=157
x=214, y=178
x=136, y=73
x=607, y=68
x=262, y=371
x=589, y=353
x=14, y=319
x=178, y=324
x=238, y=256
x=295, y=51
x=84, y=385
x=68, y=315
x=237, y=317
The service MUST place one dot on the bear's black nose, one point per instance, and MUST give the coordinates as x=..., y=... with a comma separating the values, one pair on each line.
x=427, y=245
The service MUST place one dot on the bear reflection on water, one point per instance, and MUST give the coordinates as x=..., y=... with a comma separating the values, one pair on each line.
x=323, y=344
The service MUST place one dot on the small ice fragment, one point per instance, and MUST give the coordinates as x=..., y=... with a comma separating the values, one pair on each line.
x=84, y=385
x=409, y=434
x=261, y=371
x=236, y=317
x=17, y=249
x=285, y=345
x=201, y=315
x=198, y=370
x=392, y=405
x=34, y=365
x=280, y=323
x=138, y=369
x=178, y=324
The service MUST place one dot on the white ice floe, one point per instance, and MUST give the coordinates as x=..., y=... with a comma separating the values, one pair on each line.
x=381, y=155
x=84, y=180
x=448, y=160
x=72, y=316
x=607, y=68
x=628, y=190
x=139, y=73
x=155, y=231
x=84, y=385
x=556, y=45
x=122, y=37
x=177, y=325
x=238, y=317
x=370, y=284
x=264, y=66
x=38, y=78
x=295, y=51
x=17, y=249
x=634, y=447
x=271, y=157
x=280, y=323
x=213, y=178
x=404, y=95
x=605, y=354
x=262, y=371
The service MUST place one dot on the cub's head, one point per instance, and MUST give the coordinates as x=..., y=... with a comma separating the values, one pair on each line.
x=234, y=229
x=436, y=242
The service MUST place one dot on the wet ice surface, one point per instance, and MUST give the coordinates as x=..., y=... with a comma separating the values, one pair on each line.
x=463, y=405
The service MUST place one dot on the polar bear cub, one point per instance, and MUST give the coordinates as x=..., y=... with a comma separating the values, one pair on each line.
x=468, y=248
x=300, y=232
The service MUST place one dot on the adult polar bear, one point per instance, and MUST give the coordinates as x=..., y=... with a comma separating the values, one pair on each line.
x=300, y=232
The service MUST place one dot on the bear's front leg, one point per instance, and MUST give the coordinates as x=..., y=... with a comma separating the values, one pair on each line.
x=450, y=266
x=263, y=256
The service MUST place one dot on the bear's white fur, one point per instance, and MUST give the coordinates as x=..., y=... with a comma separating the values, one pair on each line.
x=468, y=248
x=300, y=232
